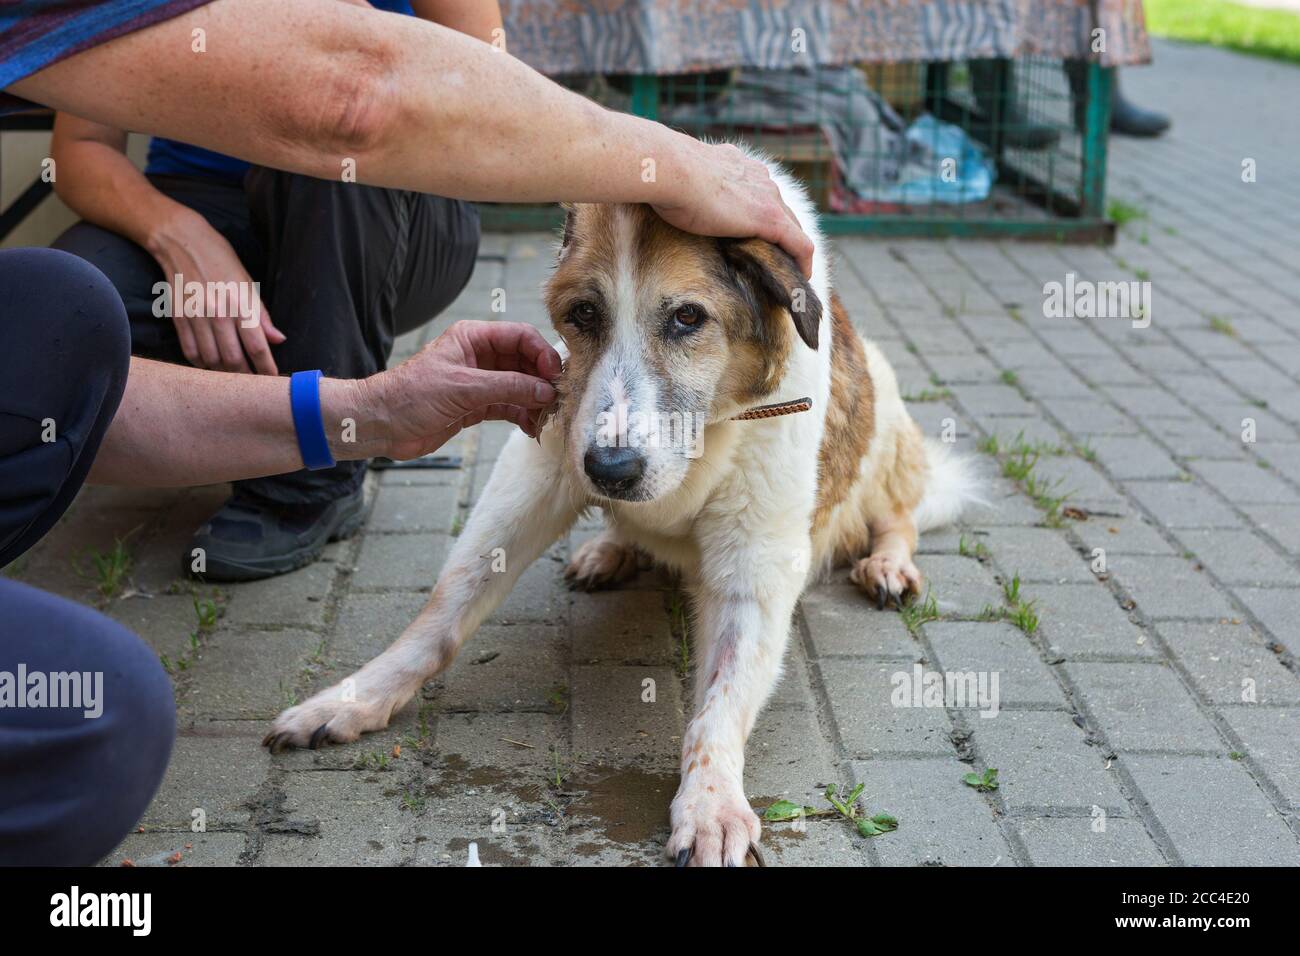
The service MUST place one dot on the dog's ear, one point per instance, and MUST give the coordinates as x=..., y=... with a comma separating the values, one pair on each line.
x=569, y=212
x=770, y=277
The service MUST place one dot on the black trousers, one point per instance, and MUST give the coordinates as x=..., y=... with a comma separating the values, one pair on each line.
x=74, y=779
x=344, y=269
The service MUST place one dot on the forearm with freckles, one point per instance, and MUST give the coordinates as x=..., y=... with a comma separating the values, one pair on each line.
x=305, y=86
x=179, y=426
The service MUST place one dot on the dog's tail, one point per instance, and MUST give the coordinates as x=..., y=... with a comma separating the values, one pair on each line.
x=953, y=486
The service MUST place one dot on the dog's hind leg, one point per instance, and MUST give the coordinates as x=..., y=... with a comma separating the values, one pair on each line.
x=521, y=512
x=889, y=575
x=605, y=561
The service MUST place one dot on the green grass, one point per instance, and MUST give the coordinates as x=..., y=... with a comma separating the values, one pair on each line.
x=1268, y=33
x=1122, y=213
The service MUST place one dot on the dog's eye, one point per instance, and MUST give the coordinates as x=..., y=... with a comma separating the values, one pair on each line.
x=584, y=313
x=688, y=315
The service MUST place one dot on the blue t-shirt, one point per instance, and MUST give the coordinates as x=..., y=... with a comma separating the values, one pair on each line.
x=168, y=157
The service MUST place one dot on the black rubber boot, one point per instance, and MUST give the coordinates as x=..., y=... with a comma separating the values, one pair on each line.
x=1129, y=120
x=1002, y=120
x=251, y=538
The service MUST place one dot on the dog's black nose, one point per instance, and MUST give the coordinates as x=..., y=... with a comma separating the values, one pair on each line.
x=613, y=469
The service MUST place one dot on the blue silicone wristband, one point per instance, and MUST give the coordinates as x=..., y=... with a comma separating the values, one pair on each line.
x=304, y=398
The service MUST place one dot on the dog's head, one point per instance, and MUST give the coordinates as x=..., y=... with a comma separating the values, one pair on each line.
x=666, y=332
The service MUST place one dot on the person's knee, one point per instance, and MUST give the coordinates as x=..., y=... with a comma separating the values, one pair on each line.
x=79, y=773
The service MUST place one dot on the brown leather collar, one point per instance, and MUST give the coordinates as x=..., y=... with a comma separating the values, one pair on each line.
x=777, y=408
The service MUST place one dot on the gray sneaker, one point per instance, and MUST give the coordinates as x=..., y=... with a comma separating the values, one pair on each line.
x=251, y=538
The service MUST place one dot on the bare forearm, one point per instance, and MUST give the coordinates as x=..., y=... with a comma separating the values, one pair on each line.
x=179, y=426
x=412, y=104
x=103, y=186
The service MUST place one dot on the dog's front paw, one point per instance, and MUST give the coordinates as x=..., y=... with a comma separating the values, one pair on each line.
x=887, y=580
x=713, y=824
x=602, y=563
x=338, y=715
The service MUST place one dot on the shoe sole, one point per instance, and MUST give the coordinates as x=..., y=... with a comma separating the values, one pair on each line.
x=234, y=572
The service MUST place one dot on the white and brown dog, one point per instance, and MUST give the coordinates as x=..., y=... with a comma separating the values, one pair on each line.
x=670, y=337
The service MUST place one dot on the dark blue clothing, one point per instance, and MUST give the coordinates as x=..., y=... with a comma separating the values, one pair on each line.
x=71, y=785
x=170, y=157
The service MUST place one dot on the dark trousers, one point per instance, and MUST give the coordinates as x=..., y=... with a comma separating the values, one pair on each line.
x=344, y=269
x=71, y=785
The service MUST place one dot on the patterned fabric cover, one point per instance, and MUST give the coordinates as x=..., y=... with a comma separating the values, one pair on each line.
x=685, y=36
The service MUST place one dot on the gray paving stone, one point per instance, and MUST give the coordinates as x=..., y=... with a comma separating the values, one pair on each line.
x=414, y=508
x=623, y=627
x=1230, y=663
x=1248, y=831
x=842, y=622
x=214, y=770
x=506, y=668
x=1038, y=555
x=1134, y=457
x=369, y=623
x=823, y=842
x=1240, y=557
x=1281, y=522
x=401, y=560
x=1276, y=610
x=941, y=821
x=993, y=400
x=249, y=674
x=295, y=599
x=1131, y=535
x=960, y=586
x=860, y=694
x=1182, y=504
x=1143, y=707
x=1090, y=416
x=783, y=759
x=358, y=815
x=539, y=596
x=1192, y=438
x=1169, y=586
x=1243, y=482
x=178, y=849
x=1043, y=760
x=995, y=648
x=1272, y=739
x=611, y=720
x=1072, y=841
x=1081, y=621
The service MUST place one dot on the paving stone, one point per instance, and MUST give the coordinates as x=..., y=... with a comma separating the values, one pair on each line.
x=1038, y=555
x=611, y=720
x=794, y=688
x=165, y=622
x=369, y=623
x=993, y=400
x=1281, y=522
x=194, y=849
x=249, y=674
x=506, y=668
x=1143, y=707
x=1230, y=663
x=539, y=596
x=1043, y=761
x=995, y=648
x=1168, y=586
x=1134, y=457
x=960, y=586
x=1272, y=739
x=215, y=770
x=296, y=599
x=783, y=759
x=1182, y=504
x=358, y=816
x=1121, y=536
x=623, y=627
x=861, y=699
x=1240, y=557
x=1192, y=438
x=414, y=508
x=496, y=740
x=821, y=843
x=1072, y=841
x=1248, y=831
x=1090, y=416
x=1243, y=482
x=940, y=821
x=1276, y=610
x=1081, y=621
x=1007, y=505
x=401, y=560
x=842, y=622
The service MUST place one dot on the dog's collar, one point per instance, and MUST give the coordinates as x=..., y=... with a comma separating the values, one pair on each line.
x=776, y=408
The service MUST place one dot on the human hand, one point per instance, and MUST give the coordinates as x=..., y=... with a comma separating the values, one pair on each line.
x=230, y=334
x=726, y=193
x=473, y=372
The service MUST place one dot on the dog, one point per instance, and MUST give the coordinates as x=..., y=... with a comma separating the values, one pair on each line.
x=787, y=451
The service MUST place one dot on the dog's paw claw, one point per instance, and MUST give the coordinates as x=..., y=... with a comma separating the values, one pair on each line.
x=713, y=825
x=321, y=733
x=887, y=580
x=683, y=857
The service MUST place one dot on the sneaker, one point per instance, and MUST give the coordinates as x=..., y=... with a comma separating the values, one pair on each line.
x=251, y=538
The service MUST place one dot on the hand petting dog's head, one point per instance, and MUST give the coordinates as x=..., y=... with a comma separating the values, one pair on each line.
x=667, y=332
